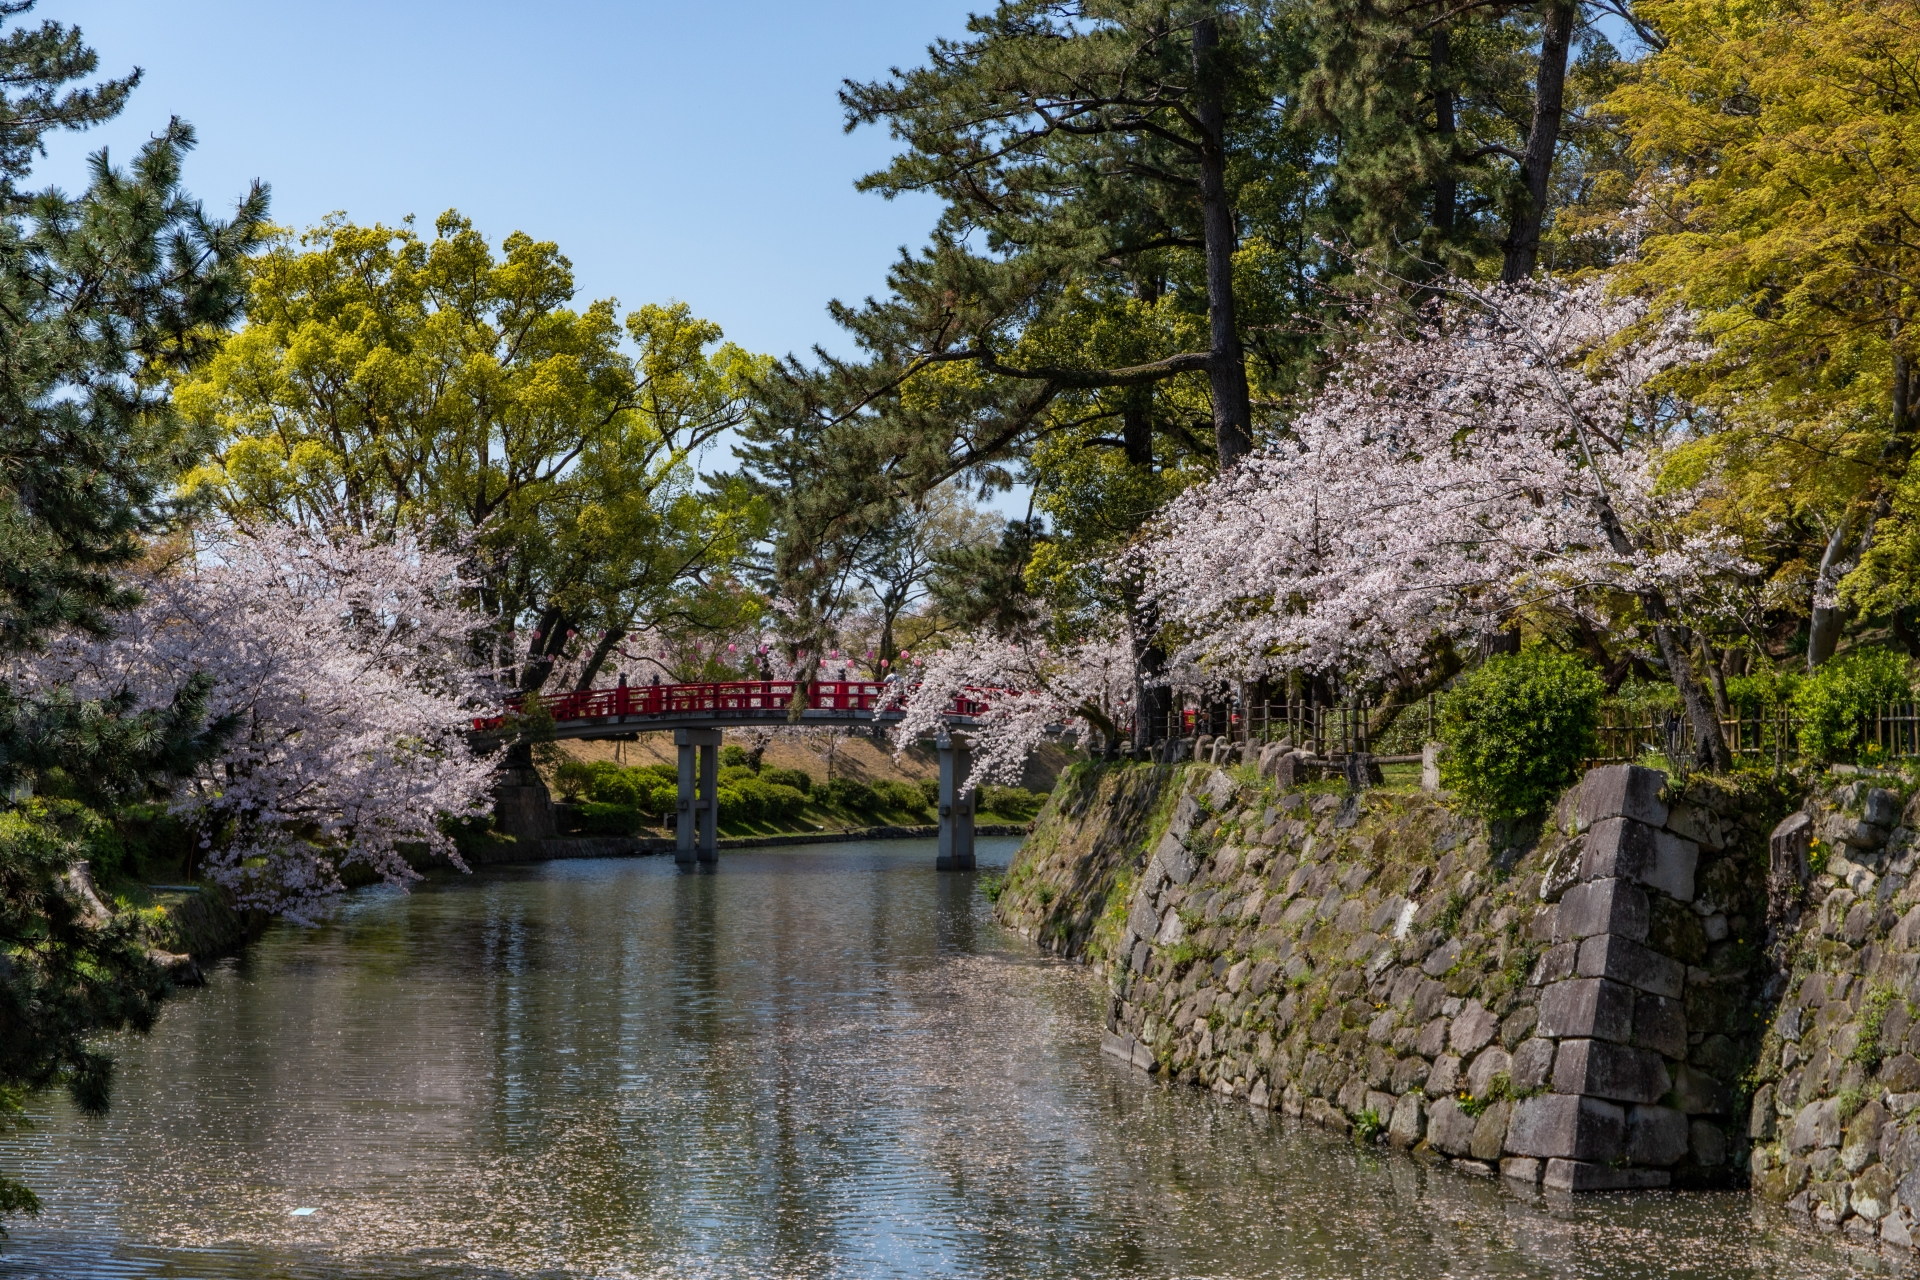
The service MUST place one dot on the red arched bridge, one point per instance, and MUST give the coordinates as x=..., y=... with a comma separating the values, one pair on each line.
x=725, y=704
x=697, y=713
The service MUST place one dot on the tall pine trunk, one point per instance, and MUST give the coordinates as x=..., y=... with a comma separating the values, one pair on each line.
x=1226, y=360
x=1440, y=71
x=1549, y=100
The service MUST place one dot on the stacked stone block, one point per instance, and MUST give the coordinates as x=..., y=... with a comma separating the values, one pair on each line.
x=1622, y=1104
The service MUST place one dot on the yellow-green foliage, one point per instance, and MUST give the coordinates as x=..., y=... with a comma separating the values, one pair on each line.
x=385, y=379
x=1787, y=141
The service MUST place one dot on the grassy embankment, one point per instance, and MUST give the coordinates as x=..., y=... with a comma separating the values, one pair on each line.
x=601, y=797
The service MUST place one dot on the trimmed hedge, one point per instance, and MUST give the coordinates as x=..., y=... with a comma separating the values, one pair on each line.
x=1516, y=730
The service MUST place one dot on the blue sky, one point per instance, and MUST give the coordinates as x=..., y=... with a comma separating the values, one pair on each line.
x=689, y=151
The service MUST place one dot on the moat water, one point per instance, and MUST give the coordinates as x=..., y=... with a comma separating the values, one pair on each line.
x=819, y=1061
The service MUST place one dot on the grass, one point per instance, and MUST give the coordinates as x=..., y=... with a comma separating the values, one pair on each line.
x=1400, y=777
x=1873, y=1016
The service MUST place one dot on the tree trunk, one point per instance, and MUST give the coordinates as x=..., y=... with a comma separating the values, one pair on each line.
x=1841, y=554
x=1136, y=427
x=1823, y=631
x=552, y=642
x=1710, y=747
x=1549, y=97
x=591, y=671
x=1226, y=361
x=1441, y=71
x=1411, y=689
x=1717, y=673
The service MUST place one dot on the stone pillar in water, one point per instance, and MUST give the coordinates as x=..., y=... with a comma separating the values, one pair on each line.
x=956, y=810
x=522, y=805
x=696, y=827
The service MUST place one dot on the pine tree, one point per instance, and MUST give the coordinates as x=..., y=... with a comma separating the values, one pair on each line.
x=103, y=296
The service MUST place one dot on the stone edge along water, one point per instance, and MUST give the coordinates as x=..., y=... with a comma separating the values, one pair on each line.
x=1665, y=988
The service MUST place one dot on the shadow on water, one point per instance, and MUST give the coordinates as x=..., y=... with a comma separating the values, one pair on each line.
x=823, y=1061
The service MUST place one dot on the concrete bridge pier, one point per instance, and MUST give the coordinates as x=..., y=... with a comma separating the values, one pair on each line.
x=696, y=829
x=956, y=810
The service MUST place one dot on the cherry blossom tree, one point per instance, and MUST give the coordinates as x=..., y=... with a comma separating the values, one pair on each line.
x=344, y=665
x=1499, y=455
x=1031, y=687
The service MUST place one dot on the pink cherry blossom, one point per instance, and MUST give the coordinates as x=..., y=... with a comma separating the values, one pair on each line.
x=1449, y=474
x=347, y=664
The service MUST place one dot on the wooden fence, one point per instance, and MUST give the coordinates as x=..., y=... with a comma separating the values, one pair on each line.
x=1335, y=731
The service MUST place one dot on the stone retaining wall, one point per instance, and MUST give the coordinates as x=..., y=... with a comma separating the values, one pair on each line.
x=1577, y=1010
x=1835, y=1115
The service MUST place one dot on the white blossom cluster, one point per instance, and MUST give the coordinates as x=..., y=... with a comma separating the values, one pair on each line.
x=1450, y=473
x=1031, y=689
x=347, y=664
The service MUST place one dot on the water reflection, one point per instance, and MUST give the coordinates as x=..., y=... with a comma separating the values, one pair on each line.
x=815, y=1062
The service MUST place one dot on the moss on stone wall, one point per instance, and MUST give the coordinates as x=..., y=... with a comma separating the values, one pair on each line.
x=1376, y=961
x=1835, y=1110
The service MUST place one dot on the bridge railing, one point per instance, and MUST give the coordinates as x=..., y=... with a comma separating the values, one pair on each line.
x=718, y=697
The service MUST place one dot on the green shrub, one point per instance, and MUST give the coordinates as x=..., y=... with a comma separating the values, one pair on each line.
x=799, y=779
x=737, y=805
x=751, y=799
x=619, y=787
x=658, y=773
x=1758, y=694
x=1832, y=701
x=663, y=798
x=735, y=758
x=1012, y=802
x=601, y=819
x=930, y=791
x=903, y=796
x=733, y=775
x=573, y=777
x=1517, y=729
x=848, y=794
x=784, y=802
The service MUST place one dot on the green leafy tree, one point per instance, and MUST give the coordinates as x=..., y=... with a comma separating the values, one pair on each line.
x=103, y=296
x=1124, y=234
x=1460, y=129
x=386, y=380
x=1781, y=142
